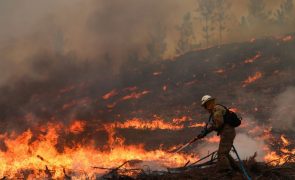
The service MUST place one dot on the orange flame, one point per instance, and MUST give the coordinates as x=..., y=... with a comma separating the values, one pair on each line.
x=287, y=38
x=40, y=156
x=198, y=125
x=252, y=79
x=285, y=140
x=213, y=139
x=219, y=71
x=280, y=158
x=157, y=73
x=136, y=123
x=110, y=94
x=77, y=127
x=251, y=60
x=135, y=95
x=165, y=88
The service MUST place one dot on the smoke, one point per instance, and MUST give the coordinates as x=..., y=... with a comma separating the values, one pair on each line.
x=247, y=146
x=283, y=115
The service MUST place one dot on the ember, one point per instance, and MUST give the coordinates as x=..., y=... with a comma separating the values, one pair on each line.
x=252, y=79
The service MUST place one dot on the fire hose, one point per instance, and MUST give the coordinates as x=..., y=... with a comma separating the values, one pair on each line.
x=241, y=164
x=234, y=150
x=187, y=144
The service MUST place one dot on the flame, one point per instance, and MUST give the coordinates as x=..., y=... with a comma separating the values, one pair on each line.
x=219, y=71
x=136, y=123
x=287, y=38
x=165, y=88
x=37, y=154
x=251, y=60
x=157, y=73
x=131, y=88
x=77, y=127
x=198, y=125
x=110, y=94
x=213, y=139
x=252, y=79
x=190, y=82
x=135, y=95
x=285, y=140
x=180, y=120
x=279, y=158
x=252, y=40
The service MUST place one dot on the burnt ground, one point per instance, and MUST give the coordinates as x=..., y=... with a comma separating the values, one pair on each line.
x=67, y=89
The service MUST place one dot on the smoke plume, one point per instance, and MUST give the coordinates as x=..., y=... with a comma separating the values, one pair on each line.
x=283, y=115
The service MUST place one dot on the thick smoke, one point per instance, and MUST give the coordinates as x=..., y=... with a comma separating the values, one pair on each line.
x=283, y=115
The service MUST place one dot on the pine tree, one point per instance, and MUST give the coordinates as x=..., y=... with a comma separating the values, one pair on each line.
x=187, y=36
x=206, y=10
x=284, y=12
x=222, y=16
x=157, y=45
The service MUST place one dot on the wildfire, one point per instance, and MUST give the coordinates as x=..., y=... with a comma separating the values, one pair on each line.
x=39, y=157
x=252, y=79
x=281, y=157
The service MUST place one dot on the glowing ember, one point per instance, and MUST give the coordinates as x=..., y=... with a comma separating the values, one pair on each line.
x=198, y=125
x=252, y=40
x=219, y=71
x=251, y=60
x=77, y=127
x=110, y=94
x=165, y=88
x=252, y=79
x=131, y=88
x=157, y=73
x=287, y=38
x=285, y=140
x=135, y=95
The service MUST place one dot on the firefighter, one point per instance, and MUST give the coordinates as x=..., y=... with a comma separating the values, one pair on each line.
x=226, y=132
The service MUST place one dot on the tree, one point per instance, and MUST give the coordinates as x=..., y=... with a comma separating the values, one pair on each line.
x=284, y=12
x=187, y=36
x=257, y=11
x=221, y=16
x=206, y=10
x=157, y=45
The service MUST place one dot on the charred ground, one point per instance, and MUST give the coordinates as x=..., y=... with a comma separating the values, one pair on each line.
x=63, y=88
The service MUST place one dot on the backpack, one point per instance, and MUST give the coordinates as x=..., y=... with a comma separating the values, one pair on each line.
x=231, y=117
